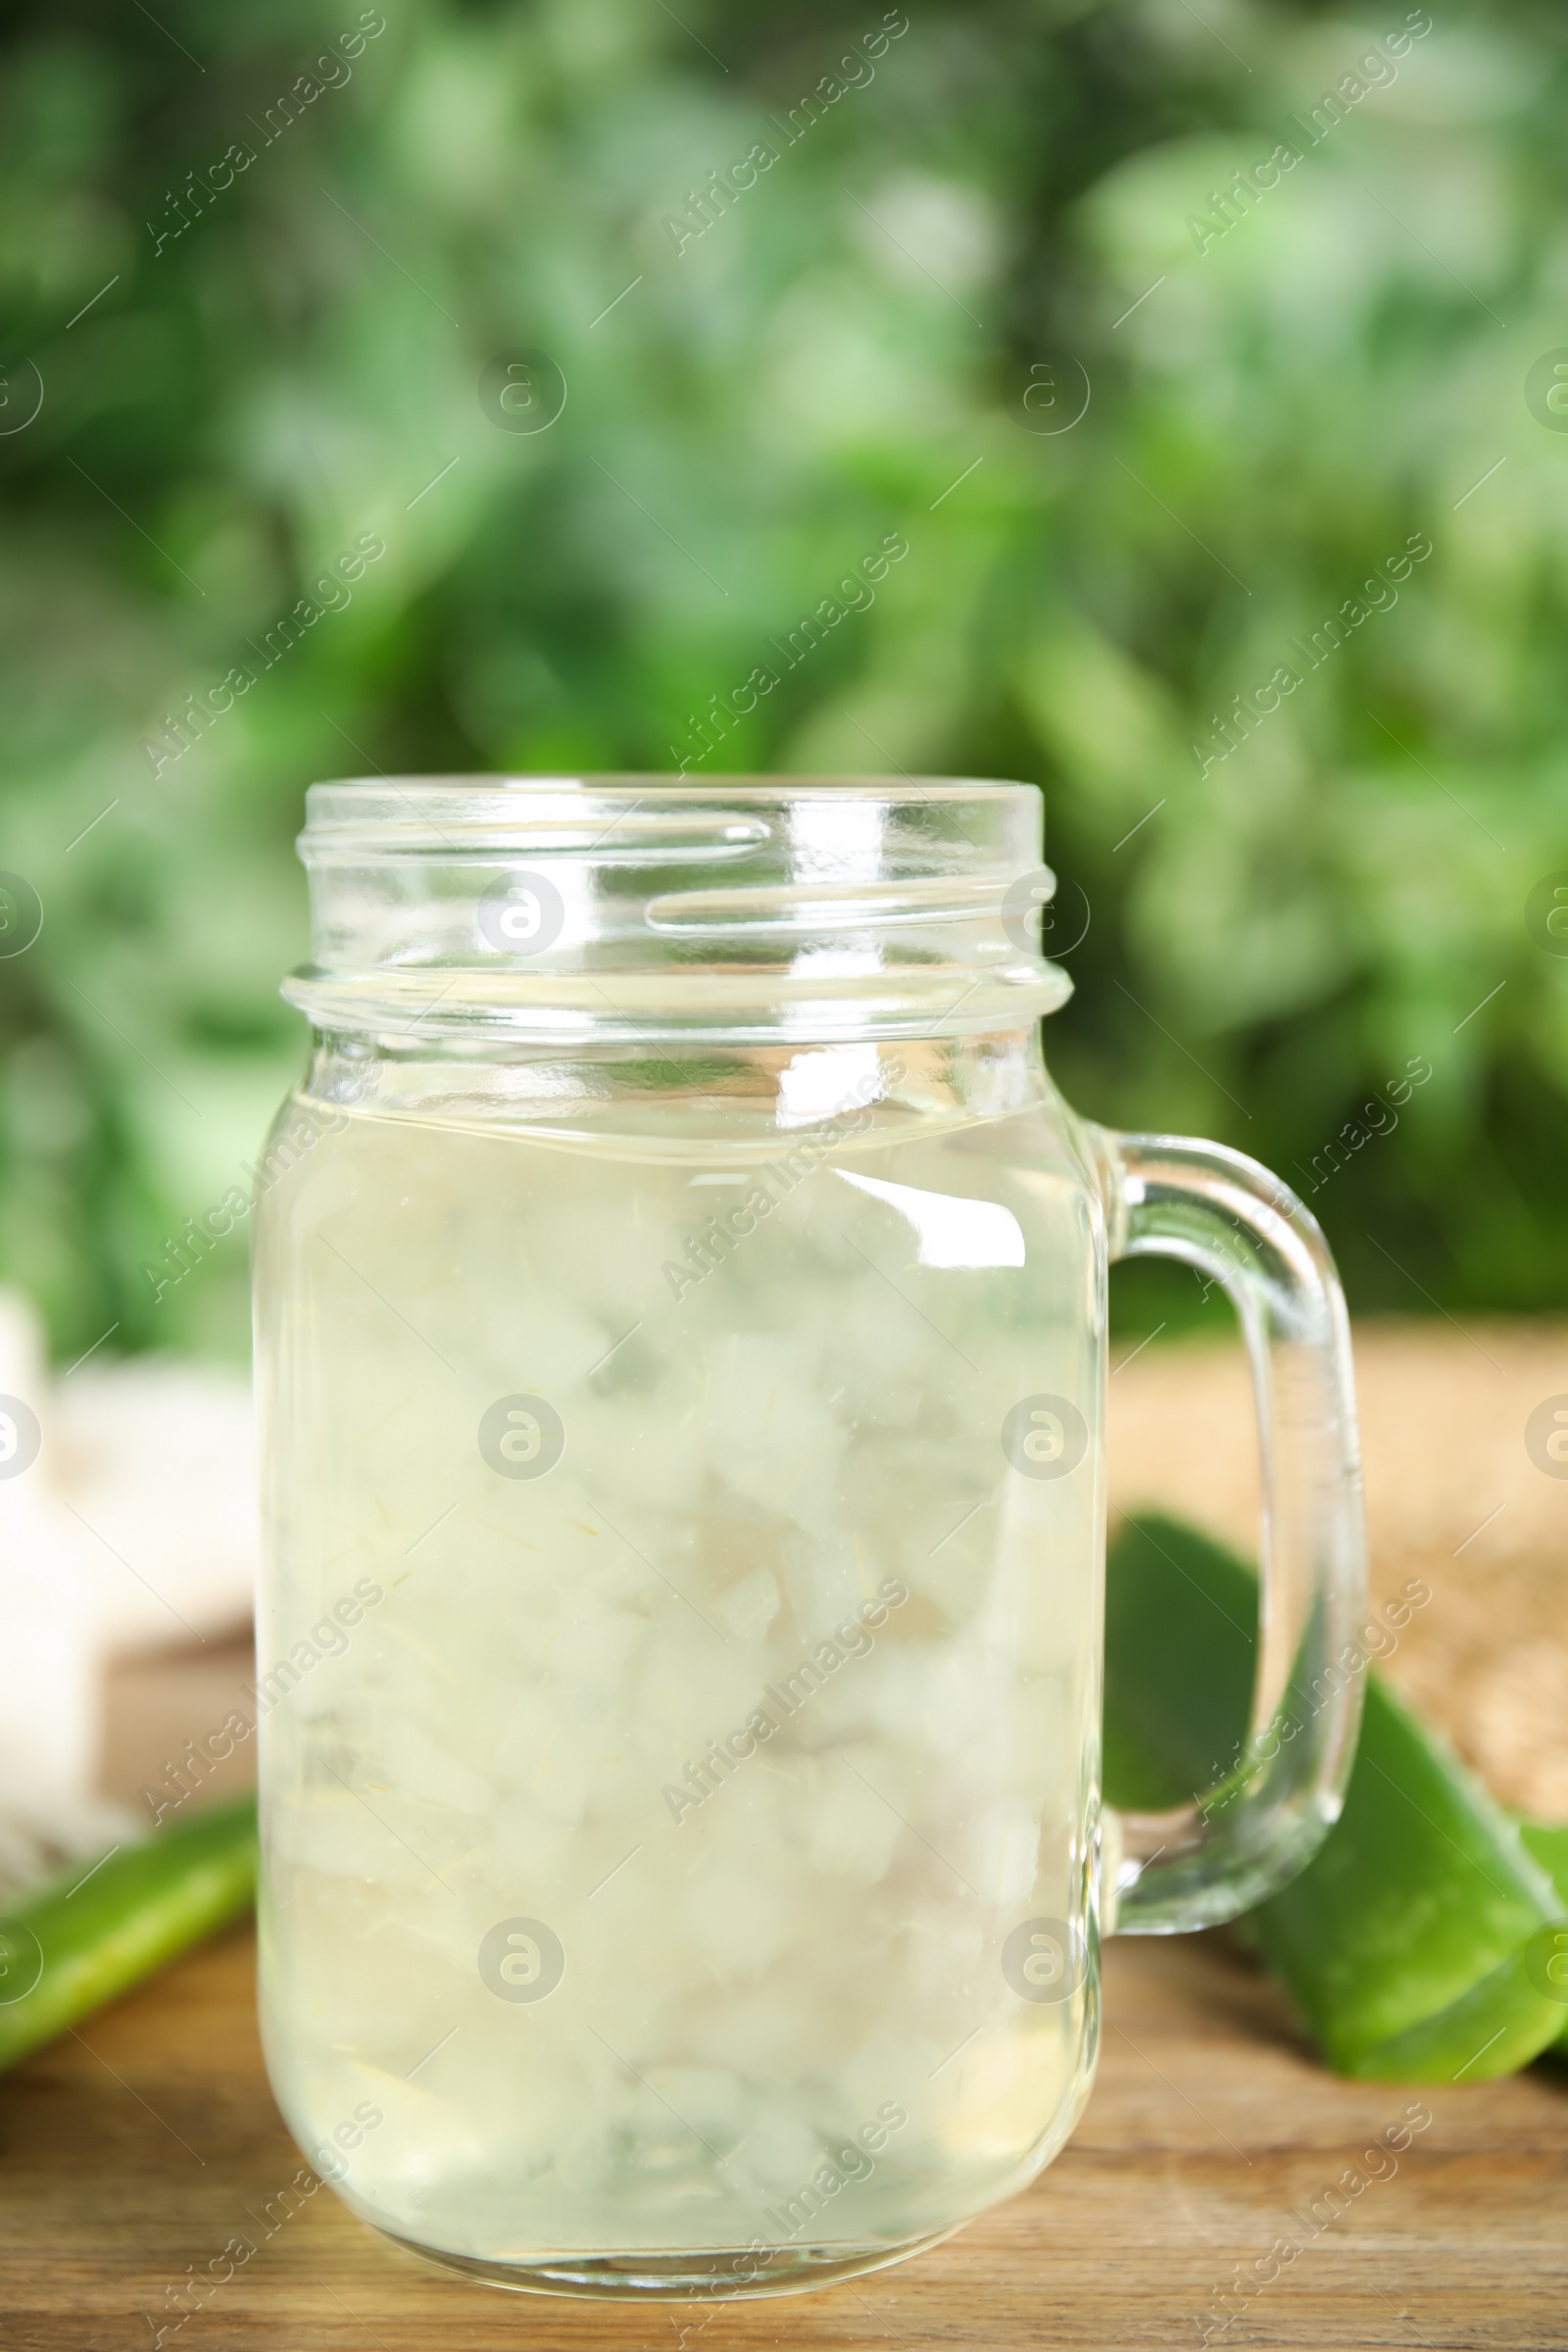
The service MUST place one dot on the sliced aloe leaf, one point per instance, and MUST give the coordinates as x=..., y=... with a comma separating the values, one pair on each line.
x=78, y=1942
x=1414, y=1942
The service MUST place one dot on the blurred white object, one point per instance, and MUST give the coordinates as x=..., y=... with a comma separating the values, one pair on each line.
x=132, y=1527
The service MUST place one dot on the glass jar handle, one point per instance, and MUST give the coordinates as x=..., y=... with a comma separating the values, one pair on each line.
x=1221, y=1212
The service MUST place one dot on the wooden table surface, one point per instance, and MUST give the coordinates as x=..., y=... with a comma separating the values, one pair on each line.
x=136, y=2150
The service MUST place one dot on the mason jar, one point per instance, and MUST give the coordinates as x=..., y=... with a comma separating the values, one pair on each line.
x=681, y=1339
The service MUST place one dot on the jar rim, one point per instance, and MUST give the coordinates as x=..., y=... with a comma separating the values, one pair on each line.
x=344, y=812
x=717, y=905
x=779, y=784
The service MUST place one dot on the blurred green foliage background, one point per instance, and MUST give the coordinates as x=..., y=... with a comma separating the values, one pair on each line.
x=845, y=352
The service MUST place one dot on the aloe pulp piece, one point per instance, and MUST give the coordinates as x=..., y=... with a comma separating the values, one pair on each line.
x=1411, y=1942
x=75, y=1944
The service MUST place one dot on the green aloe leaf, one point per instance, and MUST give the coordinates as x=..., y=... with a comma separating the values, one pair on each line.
x=1416, y=1943
x=75, y=1944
